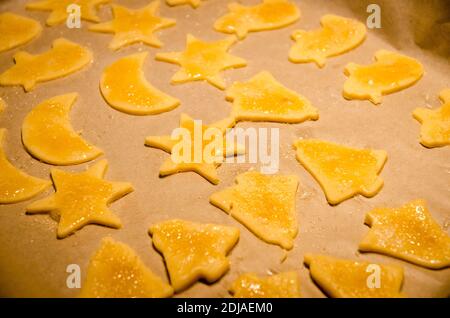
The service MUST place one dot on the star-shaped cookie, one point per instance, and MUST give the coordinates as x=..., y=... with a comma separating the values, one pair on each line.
x=265, y=204
x=59, y=13
x=133, y=26
x=341, y=171
x=193, y=3
x=115, y=271
x=263, y=98
x=193, y=251
x=282, y=285
x=203, y=61
x=342, y=278
x=198, y=142
x=409, y=233
x=81, y=199
x=435, y=129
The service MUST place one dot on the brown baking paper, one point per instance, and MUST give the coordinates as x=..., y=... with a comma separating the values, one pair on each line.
x=33, y=261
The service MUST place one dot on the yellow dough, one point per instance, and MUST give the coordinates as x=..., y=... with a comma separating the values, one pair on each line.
x=62, y=59
x=194, y=251
x=268, y=15
x=2, y=105
x=202, y=167
x=124, y=87
x=203, y=61
x=115, y=271
x=58, y=8
x=340, y=278
x=133, y=26
x=265, y=204
x=336, y=36
x=435, y=130
x=48, y=135
x=341, y=171
x=16, y=30
x=15, y=185
x=193, y=3
x=81, y=199
x=262, y=98
x=390, y=73
x=283, y=285
x=409, y=233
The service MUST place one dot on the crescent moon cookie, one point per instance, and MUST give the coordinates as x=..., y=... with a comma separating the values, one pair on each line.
x=268, y=15
x=59, y=9
x=194, y=251
x=265, y=204
x=81, y=199
x=47, y=127
x=336, y=36
x=190, y=146
x=203, y=61
x=282, y=285
x=124, y=87
x=193, y=3
x=262, y=98
x=115, y=271
x=341, y=171
x=409, y=233
x=134, y=26
x=16, y=30
x=435, y=129
x=391, y=72
x=65, y=57
x=15, y=185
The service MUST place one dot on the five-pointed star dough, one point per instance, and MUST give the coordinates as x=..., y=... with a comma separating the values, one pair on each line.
x=336, y=36
x=435, y=129
x=193, y=251
x=341, y=171
x=409, y=233
x=203, y=61
x=65, y=57
x=193, y=3
x=340, y=278
x=133, y=26
x=390, y=73
x=47, y=127
x=282, y=285
x=15, y=185
x=16, y=30
x=201, y=165
x=81, y=199
x=115, y=271
x=263, y=203
x=262, y=98
x=268, y=15
x=59, y=9
x=124, y=87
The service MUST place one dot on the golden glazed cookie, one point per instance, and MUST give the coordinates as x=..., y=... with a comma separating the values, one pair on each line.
x=282, y=285
x=115, y=271
x=265, y=204
x=48, y=135
x=15, y=185
x=391, y=72
x=16, y=30
x=336, y=36
x=268, y=15
x=341, y=278
x=341, y=171
x=124, y=87
x=193, y=251
x=262, y=98
x=65, y=57
x=134, y=26
x=435, y=129
x=409, y=233
x=81, y=199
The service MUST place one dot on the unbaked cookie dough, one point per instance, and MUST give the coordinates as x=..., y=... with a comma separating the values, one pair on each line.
x=16, y=30
x=282, y=285
x=193, y=3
